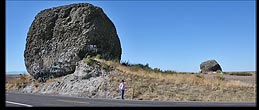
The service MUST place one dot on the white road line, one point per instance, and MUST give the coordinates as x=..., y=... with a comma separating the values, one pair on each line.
x=18, y=104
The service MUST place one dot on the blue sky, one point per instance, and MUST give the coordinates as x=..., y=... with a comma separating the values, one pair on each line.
x=170, y=35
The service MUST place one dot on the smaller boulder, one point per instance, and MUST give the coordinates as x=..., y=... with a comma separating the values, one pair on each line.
x=210, y=66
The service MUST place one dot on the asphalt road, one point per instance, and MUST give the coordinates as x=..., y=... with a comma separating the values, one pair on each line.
x=33, y=100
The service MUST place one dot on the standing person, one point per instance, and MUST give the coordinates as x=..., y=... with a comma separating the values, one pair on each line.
x=122, y=88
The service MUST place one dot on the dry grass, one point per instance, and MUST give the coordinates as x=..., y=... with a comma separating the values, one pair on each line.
x=36, y=84
x=22, y=81
x=240, y=73
x=154, y=85
x=149, y=85
x=19, y=82
x=51, y=80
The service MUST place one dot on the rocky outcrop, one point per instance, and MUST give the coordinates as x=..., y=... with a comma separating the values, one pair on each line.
x=60, y=37
x=90, y=81
x=210, y=66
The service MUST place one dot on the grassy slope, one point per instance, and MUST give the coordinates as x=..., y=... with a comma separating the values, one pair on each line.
x=149, y=85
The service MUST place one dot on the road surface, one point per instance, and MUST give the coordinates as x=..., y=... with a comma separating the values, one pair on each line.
x=33, y=100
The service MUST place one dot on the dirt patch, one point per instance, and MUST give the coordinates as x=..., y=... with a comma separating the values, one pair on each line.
x=246, y=79
x=10, y=77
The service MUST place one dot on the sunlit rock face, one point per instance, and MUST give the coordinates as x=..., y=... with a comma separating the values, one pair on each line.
x=210, y=66
x=59, y=37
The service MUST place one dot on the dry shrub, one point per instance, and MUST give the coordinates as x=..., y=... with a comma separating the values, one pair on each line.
x=19, y=82
x=9, y=85
x=155, y=85
x=50, y=80
x=240, y=74
x=36, y=84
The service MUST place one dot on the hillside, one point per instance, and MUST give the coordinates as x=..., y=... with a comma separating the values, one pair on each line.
x=142, y=83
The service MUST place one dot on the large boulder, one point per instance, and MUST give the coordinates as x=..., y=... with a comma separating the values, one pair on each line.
x=61, y=36
x=210, y=66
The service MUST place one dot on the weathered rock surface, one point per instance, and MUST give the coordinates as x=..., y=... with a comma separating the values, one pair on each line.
x=210, y=66
x=90, y=81
x=61, y=36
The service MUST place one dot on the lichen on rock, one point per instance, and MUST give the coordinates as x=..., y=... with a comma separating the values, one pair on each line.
x=59, y=37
